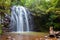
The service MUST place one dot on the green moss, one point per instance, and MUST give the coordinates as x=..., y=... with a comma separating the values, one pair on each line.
x=0, y=31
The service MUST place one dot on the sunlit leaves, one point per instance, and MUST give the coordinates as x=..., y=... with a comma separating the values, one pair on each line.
x=37, y=7
x=28, y=3
x=1, y=1
x=58, y=4
x=5, y=3
x=42, y=5
x=5, y=6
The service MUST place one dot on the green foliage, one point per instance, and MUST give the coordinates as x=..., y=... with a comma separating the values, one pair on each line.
x=58, y=4
x=0, y=29
x=5, y=6
x=34, y=5
x=44, y=9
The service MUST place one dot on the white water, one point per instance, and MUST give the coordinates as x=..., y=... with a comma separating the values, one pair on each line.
x=19, y=19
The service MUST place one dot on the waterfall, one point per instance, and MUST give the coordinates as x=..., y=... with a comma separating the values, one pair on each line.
x=20, y=17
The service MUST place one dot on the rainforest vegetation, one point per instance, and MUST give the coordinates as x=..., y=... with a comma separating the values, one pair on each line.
x=46, y=13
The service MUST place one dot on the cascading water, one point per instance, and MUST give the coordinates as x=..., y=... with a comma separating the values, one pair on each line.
x=20, y=19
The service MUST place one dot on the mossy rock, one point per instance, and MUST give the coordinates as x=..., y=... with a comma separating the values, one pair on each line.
x=0, y=31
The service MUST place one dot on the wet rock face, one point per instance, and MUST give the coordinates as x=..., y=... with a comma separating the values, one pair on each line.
x=5, y=23
x=4, y=18
x=21, y=19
